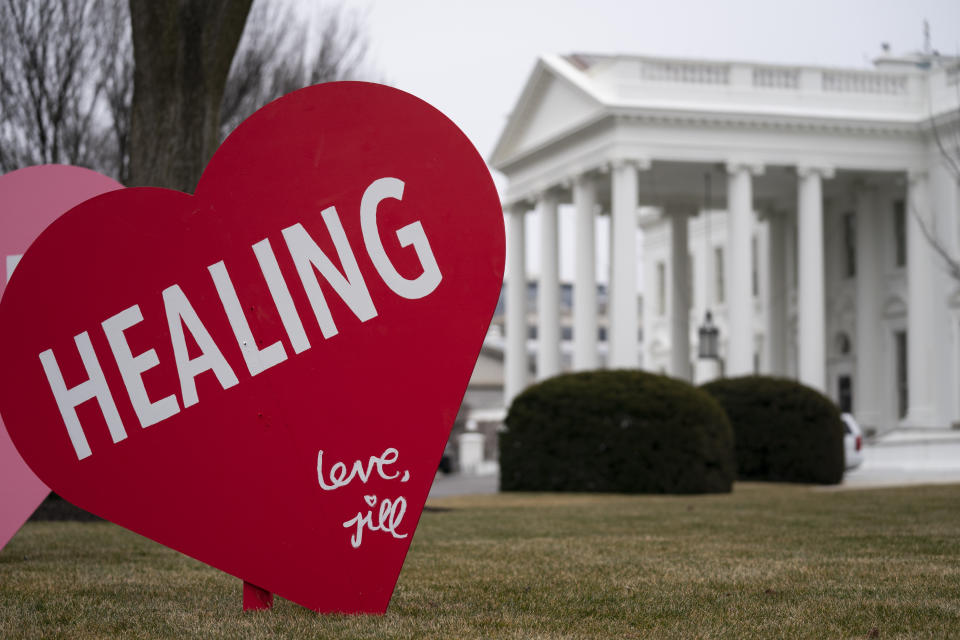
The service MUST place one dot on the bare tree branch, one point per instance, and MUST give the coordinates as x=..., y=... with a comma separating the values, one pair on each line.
x=67, y=75
x=278, y=54
x=117, y=60
x=952, y=263
x=342, y=47
x=49, y=83
x=950, y=156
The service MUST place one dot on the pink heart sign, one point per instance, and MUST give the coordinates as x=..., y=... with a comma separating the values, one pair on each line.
x=30, y=199
x=263, y=375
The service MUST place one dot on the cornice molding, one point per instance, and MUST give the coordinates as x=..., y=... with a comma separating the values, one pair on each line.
x=771, y=122
x=761, y=120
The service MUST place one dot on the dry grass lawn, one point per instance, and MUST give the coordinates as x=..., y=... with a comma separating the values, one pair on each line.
x=768, y=561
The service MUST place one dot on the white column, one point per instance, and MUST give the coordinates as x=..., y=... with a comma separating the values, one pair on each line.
x=945, y=203
x=515, y=354
x=548, y=290
x=922, y=343
x=811, y=322
x=679, y=296
x=793, y=281
x=945, y=206
x=739, y=269
x=777, y=294
x=868, y=383
x=649, y=314
x=623, y=276
x=585, y=355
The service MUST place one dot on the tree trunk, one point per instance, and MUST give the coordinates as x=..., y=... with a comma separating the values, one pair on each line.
x=182, y=51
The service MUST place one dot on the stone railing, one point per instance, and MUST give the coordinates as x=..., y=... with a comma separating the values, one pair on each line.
x=776, y=78
x=865, y=82
x=685, y=72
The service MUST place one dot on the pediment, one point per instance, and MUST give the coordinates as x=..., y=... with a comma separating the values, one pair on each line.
x=551, y=105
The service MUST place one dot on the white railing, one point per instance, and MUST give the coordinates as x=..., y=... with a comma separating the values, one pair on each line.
x=864, y=82
x=890, y=90
x=693, y=72
x=776, y=78
x=685, y=72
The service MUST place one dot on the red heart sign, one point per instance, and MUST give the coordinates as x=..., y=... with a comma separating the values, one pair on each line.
x=263, y=375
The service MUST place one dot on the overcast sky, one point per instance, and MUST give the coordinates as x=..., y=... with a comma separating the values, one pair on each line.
x=471, y=58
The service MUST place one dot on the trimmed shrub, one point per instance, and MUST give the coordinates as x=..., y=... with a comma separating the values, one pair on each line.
x=784, y=431
x=621, y=431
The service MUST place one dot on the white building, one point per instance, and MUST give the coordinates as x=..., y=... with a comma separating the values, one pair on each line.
x=815, y=265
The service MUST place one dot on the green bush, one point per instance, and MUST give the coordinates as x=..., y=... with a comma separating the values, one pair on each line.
x=784, y=431
x=620, y=431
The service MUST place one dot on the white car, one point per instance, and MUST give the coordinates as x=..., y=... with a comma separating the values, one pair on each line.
x=852, y=442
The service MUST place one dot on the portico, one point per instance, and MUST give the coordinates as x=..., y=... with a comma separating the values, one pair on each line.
x=820, y=179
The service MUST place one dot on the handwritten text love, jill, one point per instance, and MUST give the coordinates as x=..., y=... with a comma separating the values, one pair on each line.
x=390, y=513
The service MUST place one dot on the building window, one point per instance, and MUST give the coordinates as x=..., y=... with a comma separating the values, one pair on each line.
x=849, y=245
x=718, y=274
x=661, y=289
x=900, y=371
x=754, y=277
x=900, y=233
x=845, y=393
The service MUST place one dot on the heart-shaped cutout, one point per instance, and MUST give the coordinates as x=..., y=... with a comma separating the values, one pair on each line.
x=30, y=199
x=230, y=373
